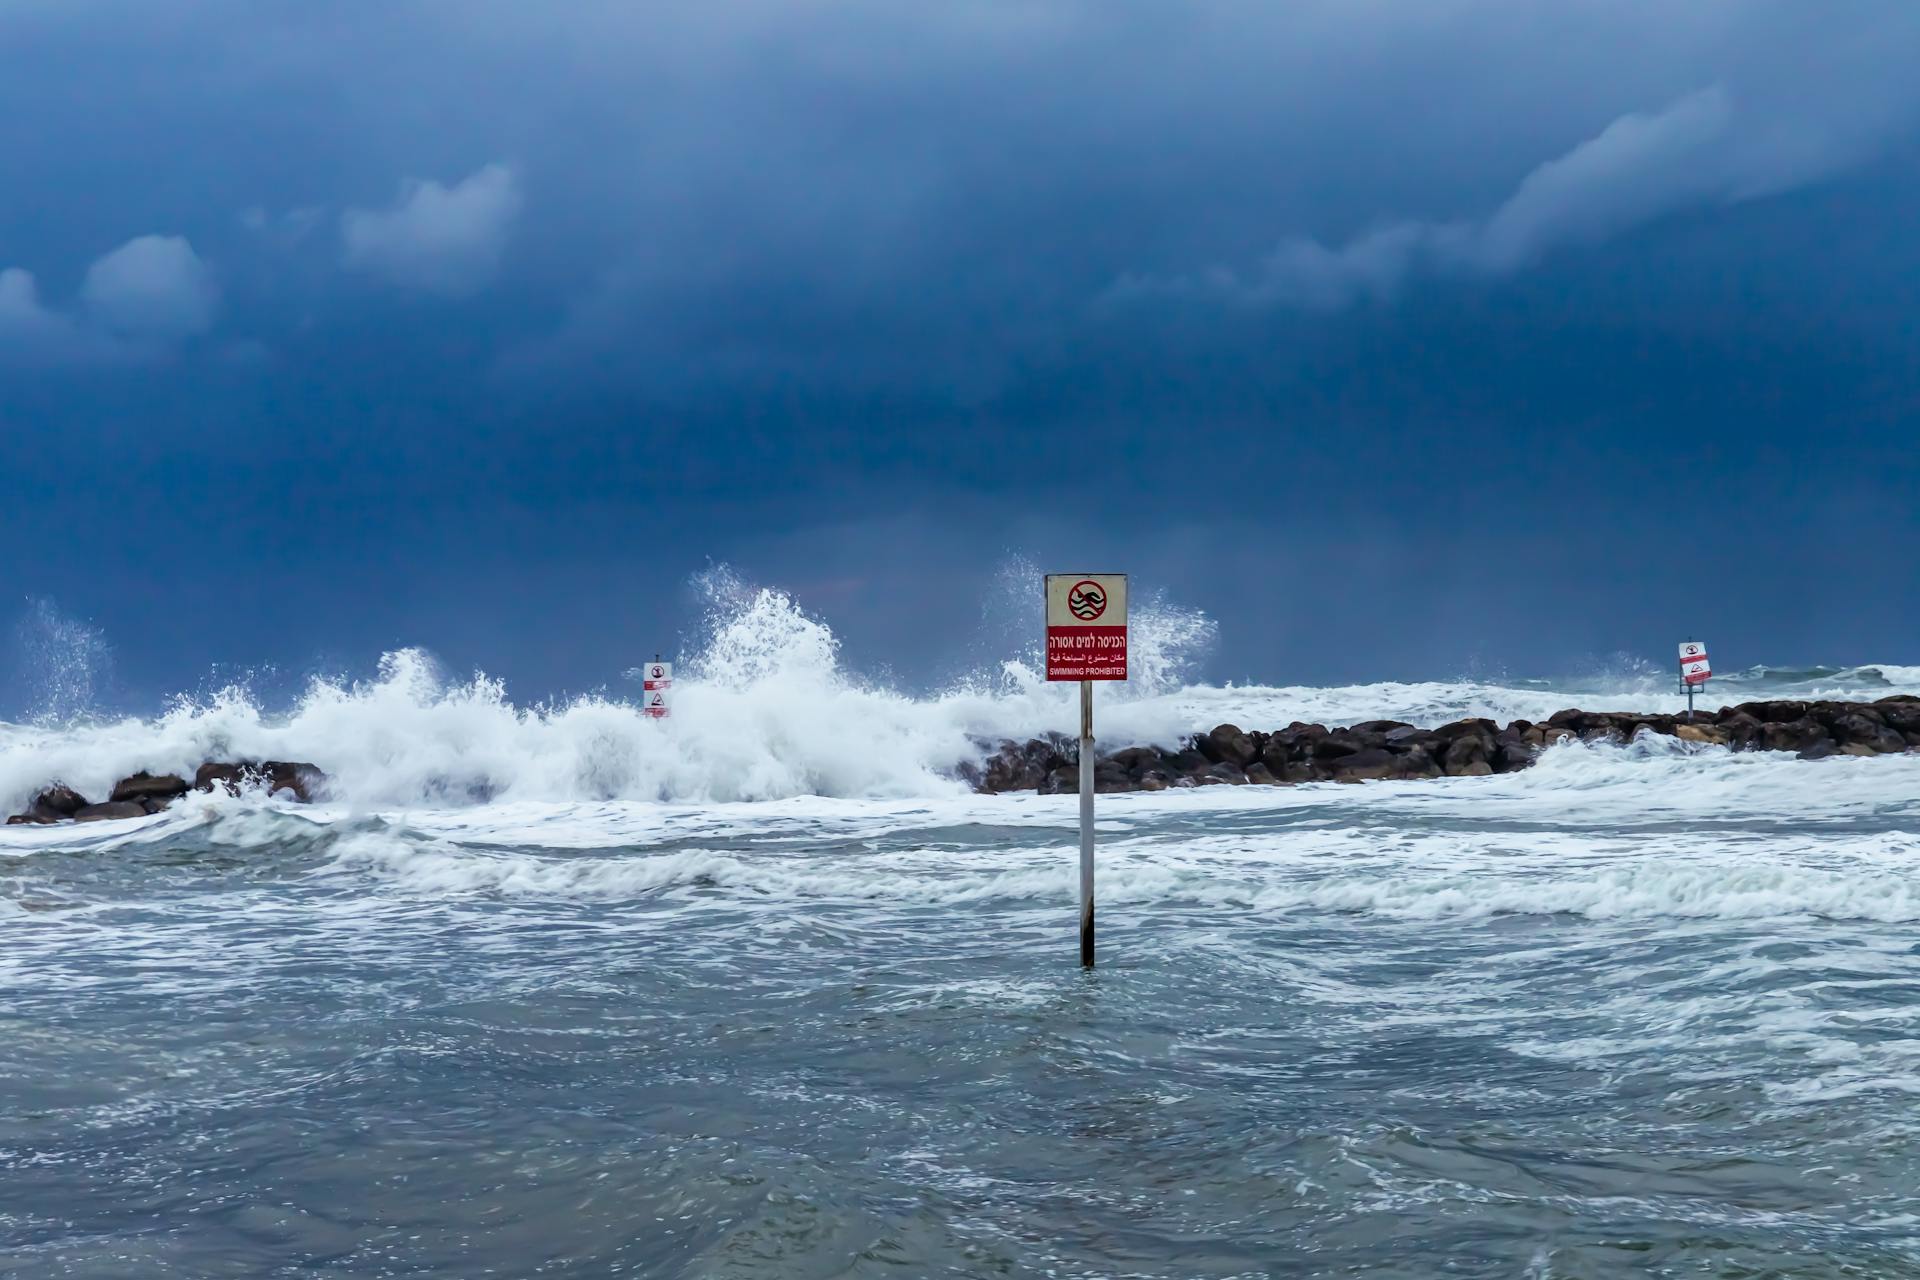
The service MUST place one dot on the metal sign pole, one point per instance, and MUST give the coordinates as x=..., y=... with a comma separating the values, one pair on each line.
x=1086, y=824
x=1086, y=641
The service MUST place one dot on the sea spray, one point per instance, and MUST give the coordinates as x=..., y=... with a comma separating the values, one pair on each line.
x=767, y=709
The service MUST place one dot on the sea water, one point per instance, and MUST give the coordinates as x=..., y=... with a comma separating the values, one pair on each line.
x=763, y=991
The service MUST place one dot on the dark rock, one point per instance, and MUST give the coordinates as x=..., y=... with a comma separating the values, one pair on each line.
x=110, y=811
x=1016, y=767
x=1469, y=756
x=1226, y=744
x=1418, y=761
x=140, y=786
x=1335, y=745
x=1742, y=730
x=1061, y=780
x=1227, y=755
x=1794, y=735
x=1513, y=751
x=61, y=799
x=33, y=815
x=229, y=777
x=1189, y=763
x=1773, y=712
x=1136, y=760
x=1366, y=765
x=303, y=781
x=54, y=804
x=1862, y=730
x=1903, y=714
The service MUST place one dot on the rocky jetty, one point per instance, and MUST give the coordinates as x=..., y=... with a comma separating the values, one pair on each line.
x=1377, y=749
x=140, y=794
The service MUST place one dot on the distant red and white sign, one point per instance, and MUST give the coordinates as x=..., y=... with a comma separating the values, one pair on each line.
x=1694, y=668
x=657, y=684
x=1086, y=626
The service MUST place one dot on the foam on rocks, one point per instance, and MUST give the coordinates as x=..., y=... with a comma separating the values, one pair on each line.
x=142, y=794
x=1391, y=749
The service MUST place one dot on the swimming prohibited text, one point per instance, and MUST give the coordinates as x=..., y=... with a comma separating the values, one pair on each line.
x=1086, y=626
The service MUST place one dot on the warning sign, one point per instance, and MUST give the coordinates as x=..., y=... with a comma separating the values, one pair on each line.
x=1693, y=663
x=657, y=682
x=1086, y=626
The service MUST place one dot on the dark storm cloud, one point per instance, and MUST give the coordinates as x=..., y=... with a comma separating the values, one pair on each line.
x=441, y=321
x=865, y=187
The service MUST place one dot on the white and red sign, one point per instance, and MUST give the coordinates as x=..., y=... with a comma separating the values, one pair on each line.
x=656, y=683
x=1086, y=626
x=1693, y=663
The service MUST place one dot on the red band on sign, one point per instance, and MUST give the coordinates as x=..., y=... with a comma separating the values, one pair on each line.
x=1086, y=653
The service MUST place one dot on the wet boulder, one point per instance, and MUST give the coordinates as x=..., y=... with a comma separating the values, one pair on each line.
x=1742, y=731
x=1470, y=748
x=1900, y=711
x=1513, y=751
x=111, y=811
x=296, y=778
x=1226, y=744
x=148, y=786
x=1366, y=765
x=1335, y=745
x=1418, y=761
x=54, y=804
x=1794, y=735
x=1867, y=731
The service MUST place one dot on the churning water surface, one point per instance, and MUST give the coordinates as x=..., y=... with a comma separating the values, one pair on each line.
x=763, y=992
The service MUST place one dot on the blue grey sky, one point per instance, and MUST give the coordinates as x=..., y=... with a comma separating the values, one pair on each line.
x=1404, y=338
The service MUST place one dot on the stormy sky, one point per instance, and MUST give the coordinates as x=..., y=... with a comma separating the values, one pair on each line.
x=1407, y=338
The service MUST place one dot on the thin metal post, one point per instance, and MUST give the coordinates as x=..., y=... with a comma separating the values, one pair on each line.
x=1086, y=824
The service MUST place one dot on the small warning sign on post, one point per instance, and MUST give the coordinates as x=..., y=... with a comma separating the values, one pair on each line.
x=656, y=684
x=1694, y=668
x=1086, y=626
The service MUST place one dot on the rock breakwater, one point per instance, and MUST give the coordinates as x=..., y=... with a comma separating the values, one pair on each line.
x=1381, y=749
x=140, y=794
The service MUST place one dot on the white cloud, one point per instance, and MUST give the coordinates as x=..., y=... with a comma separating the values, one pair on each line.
x=437, y=239
x=1699, y=152
x=151, y=287
x=137, y=303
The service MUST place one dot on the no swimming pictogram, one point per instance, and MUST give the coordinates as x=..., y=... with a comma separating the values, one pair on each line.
x=1086, y=600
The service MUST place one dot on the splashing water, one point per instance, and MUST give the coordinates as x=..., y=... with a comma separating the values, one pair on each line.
x=64, y=664
x=765, y=709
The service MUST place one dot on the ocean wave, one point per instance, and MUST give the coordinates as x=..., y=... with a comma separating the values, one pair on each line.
x=766, y=709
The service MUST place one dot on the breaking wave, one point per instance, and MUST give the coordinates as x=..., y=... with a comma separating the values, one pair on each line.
x=766, y=708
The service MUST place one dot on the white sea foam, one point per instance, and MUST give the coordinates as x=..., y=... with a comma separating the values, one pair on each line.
x=766, y=709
